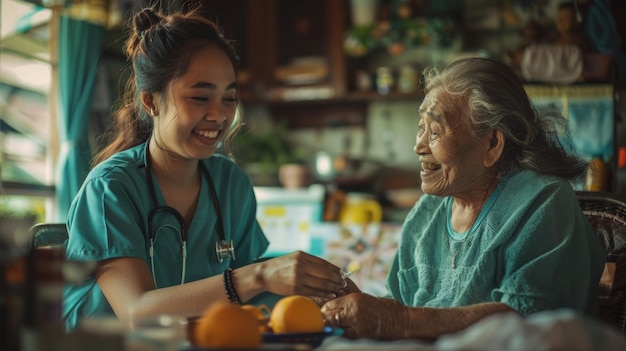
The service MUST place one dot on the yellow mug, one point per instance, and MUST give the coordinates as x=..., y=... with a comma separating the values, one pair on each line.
x=360, y=209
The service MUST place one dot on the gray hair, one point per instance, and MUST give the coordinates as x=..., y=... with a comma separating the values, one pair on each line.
x=493, y=97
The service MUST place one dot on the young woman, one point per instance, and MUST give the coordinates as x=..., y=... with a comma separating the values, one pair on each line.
x=171, y=223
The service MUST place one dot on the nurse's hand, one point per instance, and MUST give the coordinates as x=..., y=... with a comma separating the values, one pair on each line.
x=300, y=273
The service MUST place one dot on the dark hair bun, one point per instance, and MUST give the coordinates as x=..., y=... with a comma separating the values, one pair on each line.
x=145, y=19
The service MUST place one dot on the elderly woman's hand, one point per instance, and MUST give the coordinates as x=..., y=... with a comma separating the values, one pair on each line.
x=365, y=316
x=350, y=288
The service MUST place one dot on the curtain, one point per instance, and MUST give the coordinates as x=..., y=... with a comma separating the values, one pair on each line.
x=80, y=43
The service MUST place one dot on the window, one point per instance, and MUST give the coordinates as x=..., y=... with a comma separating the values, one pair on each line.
x=27, y=133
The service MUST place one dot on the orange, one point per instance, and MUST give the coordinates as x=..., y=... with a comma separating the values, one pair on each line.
x=258, y=312
x=227, y=326
x=296, y=314
x=261, y=314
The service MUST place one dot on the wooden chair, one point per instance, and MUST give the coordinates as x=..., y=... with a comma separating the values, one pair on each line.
x=607, y=214
x=48, y=245
x=49, y=234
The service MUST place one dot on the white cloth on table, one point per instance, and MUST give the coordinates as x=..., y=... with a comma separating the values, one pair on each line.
x=556, y=330
x=549, y=330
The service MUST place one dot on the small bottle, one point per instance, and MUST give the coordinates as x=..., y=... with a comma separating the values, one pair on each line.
x=363, y=80
x=597, y=175
x=384, y=80
x=407, y=79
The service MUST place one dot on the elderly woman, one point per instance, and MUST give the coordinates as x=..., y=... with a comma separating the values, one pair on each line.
x=499, y=228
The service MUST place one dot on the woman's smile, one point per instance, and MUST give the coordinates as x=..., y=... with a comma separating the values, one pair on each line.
x=428, y=166
x=208, y=136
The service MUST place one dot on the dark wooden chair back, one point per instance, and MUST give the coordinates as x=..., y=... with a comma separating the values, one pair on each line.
x=49, y=234
x=607, y=214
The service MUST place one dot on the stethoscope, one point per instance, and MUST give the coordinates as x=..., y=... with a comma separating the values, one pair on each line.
x=223, y=249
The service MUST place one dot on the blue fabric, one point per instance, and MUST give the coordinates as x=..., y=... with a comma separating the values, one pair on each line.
x=80, y=43
x=601, y=29
x=109, y=218
x=591, y=121
x=530, y=248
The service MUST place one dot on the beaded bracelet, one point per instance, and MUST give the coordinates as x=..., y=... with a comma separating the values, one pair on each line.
x=229, y=287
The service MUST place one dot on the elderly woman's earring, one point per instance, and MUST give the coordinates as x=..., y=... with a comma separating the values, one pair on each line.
x=152, y=113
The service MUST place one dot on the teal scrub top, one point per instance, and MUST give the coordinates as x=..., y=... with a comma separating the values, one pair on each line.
x=531, y=248
x=109, y=218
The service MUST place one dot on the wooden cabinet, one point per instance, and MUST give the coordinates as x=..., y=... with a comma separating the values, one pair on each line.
x=294, y=50
x=295, y=54
x=289, y=50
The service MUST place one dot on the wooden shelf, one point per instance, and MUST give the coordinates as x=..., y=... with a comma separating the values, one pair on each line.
x=374, y=96
x=351, y=98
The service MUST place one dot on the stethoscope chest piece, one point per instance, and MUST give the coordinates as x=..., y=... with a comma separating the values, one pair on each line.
x=224, y=250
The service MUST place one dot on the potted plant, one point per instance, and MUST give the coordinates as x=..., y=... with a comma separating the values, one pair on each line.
x=262, y=153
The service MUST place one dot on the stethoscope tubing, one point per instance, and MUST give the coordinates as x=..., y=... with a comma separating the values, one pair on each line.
x=222, y=248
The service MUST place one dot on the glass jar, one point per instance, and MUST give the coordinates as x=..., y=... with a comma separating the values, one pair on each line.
x=384, y=80
x=407, y=79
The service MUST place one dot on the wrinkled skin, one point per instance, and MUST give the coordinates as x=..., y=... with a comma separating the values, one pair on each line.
x=349, y=288
x=365, y=316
